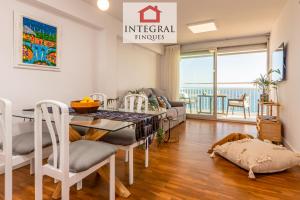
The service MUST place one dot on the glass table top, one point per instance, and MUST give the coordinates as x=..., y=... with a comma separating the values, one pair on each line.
x=84, y=121
x=150, y=112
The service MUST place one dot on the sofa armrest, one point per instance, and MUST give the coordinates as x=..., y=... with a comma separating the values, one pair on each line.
x=177, y=103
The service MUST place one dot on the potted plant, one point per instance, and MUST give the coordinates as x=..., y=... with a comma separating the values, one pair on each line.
x=265, y=83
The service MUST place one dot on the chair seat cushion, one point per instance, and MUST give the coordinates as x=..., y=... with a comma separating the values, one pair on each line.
x=175, y=112
x=236, y=103
x=84, y=154
x=23, y=144
x=123, y=137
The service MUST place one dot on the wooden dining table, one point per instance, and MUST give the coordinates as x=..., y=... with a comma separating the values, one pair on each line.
x=96, y=129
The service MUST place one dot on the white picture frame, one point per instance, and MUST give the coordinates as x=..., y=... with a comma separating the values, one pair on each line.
x=18, y=43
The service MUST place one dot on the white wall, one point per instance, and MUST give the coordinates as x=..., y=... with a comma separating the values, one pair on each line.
x=286, y=29
x=136, y=67
x=89, y=59
x=25, y=87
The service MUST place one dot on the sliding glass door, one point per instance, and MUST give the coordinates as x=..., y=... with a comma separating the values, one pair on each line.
x=197, y=83
x=219, y=85
x=236, y=73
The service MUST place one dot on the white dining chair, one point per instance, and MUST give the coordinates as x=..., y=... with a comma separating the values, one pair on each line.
x=101, y=97
x=6, y=137
x=70, y=162
x=125, y=139
x=19, y=149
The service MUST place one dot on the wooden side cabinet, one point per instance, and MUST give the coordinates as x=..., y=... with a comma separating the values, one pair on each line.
x=269, y=130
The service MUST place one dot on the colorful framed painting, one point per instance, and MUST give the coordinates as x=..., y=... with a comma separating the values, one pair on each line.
x=36, y=44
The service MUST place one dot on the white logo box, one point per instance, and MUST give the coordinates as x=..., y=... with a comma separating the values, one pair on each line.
x=149, y=30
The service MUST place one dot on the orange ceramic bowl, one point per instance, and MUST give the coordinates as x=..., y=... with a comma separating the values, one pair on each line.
x=85, y=107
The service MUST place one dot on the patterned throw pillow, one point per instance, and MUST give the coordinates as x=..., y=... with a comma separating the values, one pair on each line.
x=161, y=102
x=168, y=105
x=153, y=103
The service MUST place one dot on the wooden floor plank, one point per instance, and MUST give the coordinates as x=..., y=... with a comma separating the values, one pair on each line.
x=179, y=171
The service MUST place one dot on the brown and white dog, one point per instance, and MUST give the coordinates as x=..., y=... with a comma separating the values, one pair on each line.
x=230, y=138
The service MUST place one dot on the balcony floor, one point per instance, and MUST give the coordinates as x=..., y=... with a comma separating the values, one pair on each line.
x=237, y=116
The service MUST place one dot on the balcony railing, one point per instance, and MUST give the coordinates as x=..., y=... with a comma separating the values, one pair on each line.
x=231, y=90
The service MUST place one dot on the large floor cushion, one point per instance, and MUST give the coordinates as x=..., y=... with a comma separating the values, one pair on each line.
x=23, y=144
x=258, y=156
x=84, y=154
x=123, y=137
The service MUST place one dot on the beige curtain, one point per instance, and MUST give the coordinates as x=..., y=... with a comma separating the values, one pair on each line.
x=170, y=71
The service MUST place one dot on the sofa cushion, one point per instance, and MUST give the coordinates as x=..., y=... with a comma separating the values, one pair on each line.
x=174, y=112
x=153, y=102
x=168, y=105
x=258, y=156
x=180, y=110
x=23, y=144
x=147, y=91
x=159, y=92
x=177, y=103
x=123, y=137
x=161, y=102
x=84, y=154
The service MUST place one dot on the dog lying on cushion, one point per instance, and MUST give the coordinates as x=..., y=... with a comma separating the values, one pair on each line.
x=230, y=138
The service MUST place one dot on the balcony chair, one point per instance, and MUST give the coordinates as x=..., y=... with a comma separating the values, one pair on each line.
x=16, y=150
x=184, y=97
x=70, y=162
x=242, y=102
x=125, y=139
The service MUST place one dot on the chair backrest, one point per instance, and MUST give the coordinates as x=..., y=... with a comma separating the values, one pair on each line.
x=184, y=95
x=6, y=137
x=101, y=97
x=6, y=125
x=246, y=100
x=54, y=113
x=134, y=103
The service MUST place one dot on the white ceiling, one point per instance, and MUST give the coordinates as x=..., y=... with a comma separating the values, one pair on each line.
x=234, y=18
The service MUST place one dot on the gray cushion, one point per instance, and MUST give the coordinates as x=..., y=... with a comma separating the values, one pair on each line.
x=181, y=110
x=153, y=102
x=159, y=92
x=23, y=144
x=85, y=154
x=166, y=102
x=148, y=91
x=177, y=103
x=123, y=137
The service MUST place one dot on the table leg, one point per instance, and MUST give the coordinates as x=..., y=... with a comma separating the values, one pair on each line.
x=121, y=190
x=210, y=105
x=223, y=105
x=73, y=135
x=197, y=104
x=57, y=193
x=200, y=103
x=94, y=135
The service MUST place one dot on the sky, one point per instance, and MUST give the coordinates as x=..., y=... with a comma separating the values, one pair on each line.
x=245, y=67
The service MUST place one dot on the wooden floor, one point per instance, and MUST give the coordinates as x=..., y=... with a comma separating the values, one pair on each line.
x=180, y=171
